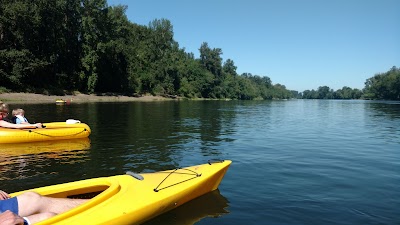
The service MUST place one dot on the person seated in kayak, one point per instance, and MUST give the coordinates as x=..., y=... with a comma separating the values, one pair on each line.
x=34, y=207
x=5, y=123
x=19, y=116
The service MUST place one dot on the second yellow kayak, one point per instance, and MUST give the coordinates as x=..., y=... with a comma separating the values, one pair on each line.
x=52, y=131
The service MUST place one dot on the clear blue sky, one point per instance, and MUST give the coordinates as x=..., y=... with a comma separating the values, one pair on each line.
x=302, y=44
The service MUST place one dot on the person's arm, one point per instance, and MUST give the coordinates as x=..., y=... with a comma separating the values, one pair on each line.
x=10, y=218
x=26, y=125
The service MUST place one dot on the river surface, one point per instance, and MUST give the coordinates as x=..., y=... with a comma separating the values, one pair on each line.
x=294, y=162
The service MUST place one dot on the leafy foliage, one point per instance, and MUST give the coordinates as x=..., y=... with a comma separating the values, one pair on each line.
x=324, y=92
x=381, y=86
x=384, y=85
x=89, y=46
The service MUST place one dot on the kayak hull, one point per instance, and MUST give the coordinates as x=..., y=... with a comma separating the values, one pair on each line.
x=52, y=131
x=124, y=199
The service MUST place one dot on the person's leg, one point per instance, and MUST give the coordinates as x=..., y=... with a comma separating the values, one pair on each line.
x=30, y=203
x=36, y=218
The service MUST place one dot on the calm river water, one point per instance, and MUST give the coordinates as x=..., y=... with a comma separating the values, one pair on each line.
x=294, y=162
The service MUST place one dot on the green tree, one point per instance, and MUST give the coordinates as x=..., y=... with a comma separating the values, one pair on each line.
x=114, y=53
x=69, y=48
x=229, y=67
x=93, y=13
x=19, y=25
x=324, y=92
x=88, y=46
x=384, y=85
x=211, y=59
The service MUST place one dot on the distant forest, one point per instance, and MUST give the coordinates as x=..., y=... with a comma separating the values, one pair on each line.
x=385, y=86
x=58, y=46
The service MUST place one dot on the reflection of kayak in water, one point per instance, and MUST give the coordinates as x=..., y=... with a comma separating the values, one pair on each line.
x=52, y=131
x=212, y=204
x=18, y=160
x=14, y=149
x=134, y=198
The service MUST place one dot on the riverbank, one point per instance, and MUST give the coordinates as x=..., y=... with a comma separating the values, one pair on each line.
x=78, y=98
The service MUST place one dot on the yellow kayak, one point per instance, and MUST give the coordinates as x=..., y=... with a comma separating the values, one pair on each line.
x=60, y=101
x=52, y=131
x=134, y=198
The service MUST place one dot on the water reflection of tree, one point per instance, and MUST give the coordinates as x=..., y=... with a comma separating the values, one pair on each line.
x=131, y=136
x=170, y=130
x=385, y=117
x=389, y=109
x=153, y=136
x=217, y=120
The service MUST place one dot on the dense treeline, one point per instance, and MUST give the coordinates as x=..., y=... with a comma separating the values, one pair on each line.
x=384, y=85
x=86, y=45
x=381, y=86
x=324, y=92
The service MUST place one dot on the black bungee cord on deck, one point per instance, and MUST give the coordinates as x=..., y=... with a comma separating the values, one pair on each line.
x=48, y=135
x=212, y=161
x=193, y=173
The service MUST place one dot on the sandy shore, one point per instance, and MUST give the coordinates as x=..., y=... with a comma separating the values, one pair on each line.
x=79, y=98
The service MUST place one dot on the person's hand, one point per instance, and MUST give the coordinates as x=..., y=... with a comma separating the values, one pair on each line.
x=9, y=218
x=4, y=195
x=39, y=125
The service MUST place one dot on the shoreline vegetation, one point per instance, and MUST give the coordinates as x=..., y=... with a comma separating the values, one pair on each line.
x=94, y=48
x=78, y=98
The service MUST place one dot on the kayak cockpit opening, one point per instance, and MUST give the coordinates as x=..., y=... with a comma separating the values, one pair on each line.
x=88, y=195
x=80, y=193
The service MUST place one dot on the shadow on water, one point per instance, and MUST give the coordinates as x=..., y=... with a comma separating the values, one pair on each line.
x=211, y=205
